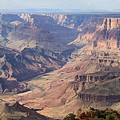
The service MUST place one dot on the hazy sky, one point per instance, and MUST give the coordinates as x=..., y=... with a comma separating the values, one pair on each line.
x=69, y=4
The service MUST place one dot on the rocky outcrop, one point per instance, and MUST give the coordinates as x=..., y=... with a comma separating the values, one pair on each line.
x=12, y=86
x=100, y=98
x=98, y=76
x=29, y=60
x=16, y=67
x=17, y=111
x=106, y=35
x=105, y=93
x=100, y=87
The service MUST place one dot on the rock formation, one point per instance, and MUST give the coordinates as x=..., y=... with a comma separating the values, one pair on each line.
x=16, y=67
x=104, y=36
x=101, y=31
x=105, y=93
x=19, y=112
x=25, y=30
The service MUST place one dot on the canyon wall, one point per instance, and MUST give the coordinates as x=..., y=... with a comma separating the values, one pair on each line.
x=101, y=31
x=104, y=93
x=16, y=67
x=105, y=36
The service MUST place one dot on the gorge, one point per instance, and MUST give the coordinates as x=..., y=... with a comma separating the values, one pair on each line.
x=58, y=63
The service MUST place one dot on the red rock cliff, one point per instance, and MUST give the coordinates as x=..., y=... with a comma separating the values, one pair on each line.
x=106, y=35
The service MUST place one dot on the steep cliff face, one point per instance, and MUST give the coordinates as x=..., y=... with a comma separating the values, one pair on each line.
x=100, y=84
x=111, y=27
x=106, y=35
x=105, y=93
x=100, y=31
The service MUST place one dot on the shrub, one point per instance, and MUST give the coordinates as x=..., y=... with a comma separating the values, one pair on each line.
x=92, y=109
x=70, y=116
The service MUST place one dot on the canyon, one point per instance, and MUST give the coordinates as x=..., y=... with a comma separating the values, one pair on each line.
x=58, y=63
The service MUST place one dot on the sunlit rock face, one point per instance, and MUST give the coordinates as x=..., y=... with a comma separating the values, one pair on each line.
x=105, y=35
x=100, y=31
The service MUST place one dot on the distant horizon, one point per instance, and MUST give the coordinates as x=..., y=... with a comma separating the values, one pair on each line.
x=62, y=4
x=59, y=11
x=51, y=8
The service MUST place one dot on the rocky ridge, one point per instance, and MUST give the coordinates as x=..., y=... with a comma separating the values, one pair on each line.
x=17, y=66
x=25, y=30
x=19, y=112
x=105, y=36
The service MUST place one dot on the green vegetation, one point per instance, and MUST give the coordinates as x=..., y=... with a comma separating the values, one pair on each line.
x=94, y=114
x=70, y=116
